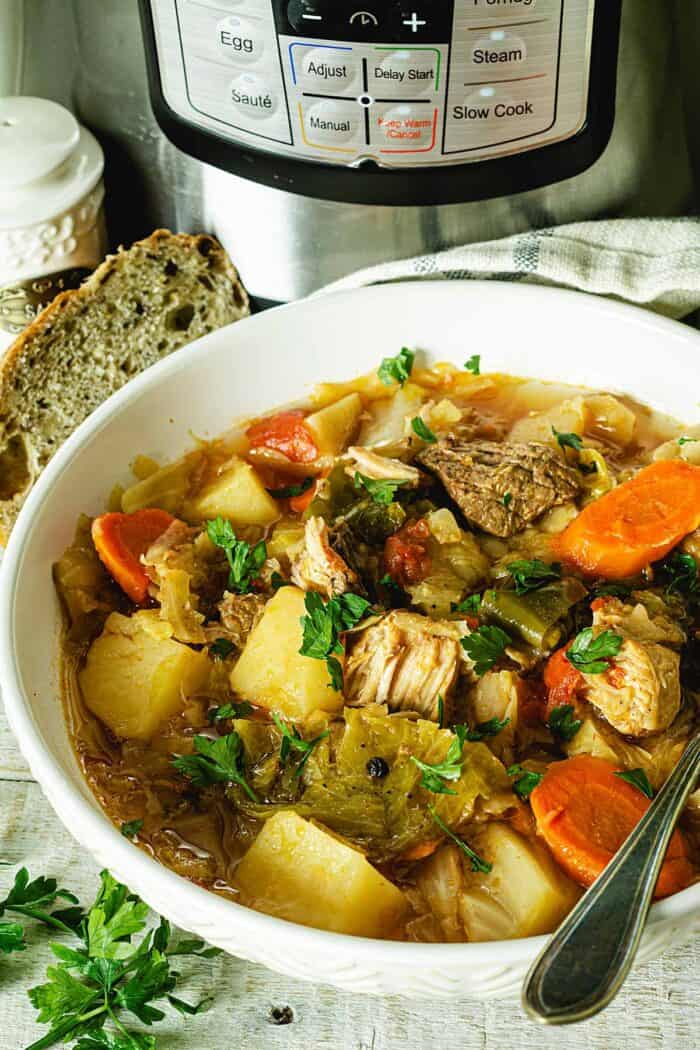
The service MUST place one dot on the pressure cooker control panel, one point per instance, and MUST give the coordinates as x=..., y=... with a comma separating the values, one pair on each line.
x=427, y=82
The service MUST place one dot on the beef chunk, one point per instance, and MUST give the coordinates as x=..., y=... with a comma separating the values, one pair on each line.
x=478, y=475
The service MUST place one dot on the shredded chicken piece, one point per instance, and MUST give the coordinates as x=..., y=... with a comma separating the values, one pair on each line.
x=382, y=468
x=174, y=536
x=641, y=693
x=406, y=661
x=317, y=567
x=239, y=615
x=634, y=621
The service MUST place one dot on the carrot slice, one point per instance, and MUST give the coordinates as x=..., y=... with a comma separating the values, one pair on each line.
x=121, y=539
x=636, y=523
x=298, y=504
x=584, y=813
x=286, y=433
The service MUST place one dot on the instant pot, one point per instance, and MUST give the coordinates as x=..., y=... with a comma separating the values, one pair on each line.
x=315, y=137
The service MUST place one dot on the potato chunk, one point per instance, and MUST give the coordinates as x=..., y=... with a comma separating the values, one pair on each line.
x=334, y=425
x=137, y=676
x=531, y=891
x=298, y=871
x=272, y=673
x=237, y=494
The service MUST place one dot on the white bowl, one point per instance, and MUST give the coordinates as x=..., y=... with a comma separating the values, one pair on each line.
x=253, y=366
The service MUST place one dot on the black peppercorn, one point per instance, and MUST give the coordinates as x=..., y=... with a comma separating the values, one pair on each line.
x=377, y=767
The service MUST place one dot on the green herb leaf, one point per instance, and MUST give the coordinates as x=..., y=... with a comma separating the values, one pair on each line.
x=277, y=580
x=612, y=590
x=638, y=779
x=131, y=828
x=507, y=499
x=487, y=729
x=382, y=492
x=215, y=762
x=485, y=646
x=477, y=862
x=530, y=575
x=441, y=712
x=422, y=430
x=397, y=369
x=187, y=1009
x=245, y=562
x=34, y=898
x=568, y=440
x=450, y=769
x=562, y=723
x=103, y=1040
x=473, y=365
x=592, y=655
x=323, y=624
x=525, y=781
x=220, y=648
x=11, y=938
x=232, y=710
x=687, y=441
x=293, y=741
x=470, y=605
x=290, y=491
x=681, y=570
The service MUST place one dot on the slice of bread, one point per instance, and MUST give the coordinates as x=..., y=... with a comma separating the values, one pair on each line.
x=138, y=306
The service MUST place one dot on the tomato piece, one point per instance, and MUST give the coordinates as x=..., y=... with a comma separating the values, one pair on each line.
x=561, y=679
x=121, y=539
x=532, y=702
x=286, y=433
x=406, y=557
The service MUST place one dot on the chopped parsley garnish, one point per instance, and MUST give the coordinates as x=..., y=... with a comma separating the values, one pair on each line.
x=485, y=646
x=470, y=605
x=277, y=580
x=290, y=491
x=233, y=710
x=293, y=741
x=562, y=723
x=681, y=570
x=507, y=499
x=487, y=729
x=525, y=781
x=34, y=898
x=382, y=491
x=450, y=769
x=529, y=575
x=131, y=828
x=217, y=761
x=612, y=590
x=220, y=648
x=473, y=365
x=323, y=624
x=397, y=369
x=591, y=655
x=245, y=562
x=422, y=430
x=637, y=778
x=588, y=468
x=441, y=712
x=477, y=862
x=565, y=440
x=687, y=441
x=109, y=975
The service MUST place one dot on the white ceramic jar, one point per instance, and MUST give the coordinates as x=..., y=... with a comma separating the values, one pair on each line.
x=52, y=228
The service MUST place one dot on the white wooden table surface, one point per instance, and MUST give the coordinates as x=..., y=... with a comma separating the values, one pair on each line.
x=659, y=1007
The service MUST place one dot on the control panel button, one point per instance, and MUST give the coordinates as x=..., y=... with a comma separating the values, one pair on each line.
x=421, y=20
x=252, y=96
x=325, y=70
x=239, y=40
x=499, y=49
x=330, y=124
x=404, y=128
x=404, y=73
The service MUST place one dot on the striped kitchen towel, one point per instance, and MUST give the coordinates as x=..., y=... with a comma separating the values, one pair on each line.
x=651, y=262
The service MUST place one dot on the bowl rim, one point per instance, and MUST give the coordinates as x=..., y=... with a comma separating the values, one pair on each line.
x=91, y=826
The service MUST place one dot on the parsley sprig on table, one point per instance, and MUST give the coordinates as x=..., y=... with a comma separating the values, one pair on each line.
x=397, y=369
x=592, y=655
x=217, y=761
x=36, y=899
x=323, y=624
x=245, y=562
x=382, y=491
x=110, y=975
x=530, y=575
x=485, y=647
x=292, y=740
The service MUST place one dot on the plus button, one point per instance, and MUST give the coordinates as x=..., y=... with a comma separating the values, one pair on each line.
x=414, y=22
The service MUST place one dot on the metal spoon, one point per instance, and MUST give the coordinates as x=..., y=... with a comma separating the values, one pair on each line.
x=584, y=965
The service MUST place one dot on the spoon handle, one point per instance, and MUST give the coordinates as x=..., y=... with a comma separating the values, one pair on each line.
x=583, y=966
